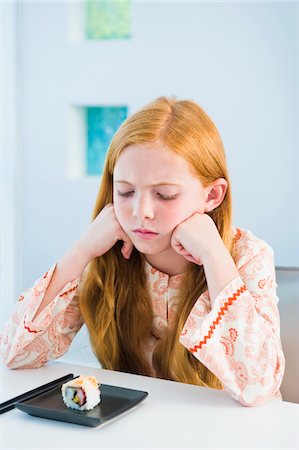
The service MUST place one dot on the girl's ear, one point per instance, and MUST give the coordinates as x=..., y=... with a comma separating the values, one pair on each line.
x=215, y=194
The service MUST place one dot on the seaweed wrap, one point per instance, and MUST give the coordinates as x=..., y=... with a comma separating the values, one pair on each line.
x=82, y=393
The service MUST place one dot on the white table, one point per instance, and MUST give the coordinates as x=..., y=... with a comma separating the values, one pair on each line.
x=174, y=415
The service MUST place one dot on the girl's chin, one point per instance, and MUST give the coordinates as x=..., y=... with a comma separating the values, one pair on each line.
x=151, y=248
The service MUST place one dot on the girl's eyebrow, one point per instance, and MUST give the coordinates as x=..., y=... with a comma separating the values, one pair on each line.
x=163, y=183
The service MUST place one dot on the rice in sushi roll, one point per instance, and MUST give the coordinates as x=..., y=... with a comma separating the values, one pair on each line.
x=82, y=393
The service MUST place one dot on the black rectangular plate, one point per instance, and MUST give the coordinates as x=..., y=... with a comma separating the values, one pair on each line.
x=114, y=402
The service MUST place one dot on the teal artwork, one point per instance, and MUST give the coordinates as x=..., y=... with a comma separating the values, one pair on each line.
x=108, y=19
x=102, y=123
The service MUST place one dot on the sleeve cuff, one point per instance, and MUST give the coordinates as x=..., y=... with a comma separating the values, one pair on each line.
x=197, y=332
x=37, y=295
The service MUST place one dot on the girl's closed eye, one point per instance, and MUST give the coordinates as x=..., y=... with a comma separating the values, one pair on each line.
x=162, y=197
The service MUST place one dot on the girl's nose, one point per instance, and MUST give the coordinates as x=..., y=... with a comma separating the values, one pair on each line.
x=143, y=209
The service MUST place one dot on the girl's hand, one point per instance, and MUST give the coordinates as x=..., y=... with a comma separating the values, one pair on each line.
x=196, y=237
x=101, y=235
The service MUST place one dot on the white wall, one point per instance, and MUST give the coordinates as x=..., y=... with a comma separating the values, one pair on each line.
x=237, y=60
x=10, y=200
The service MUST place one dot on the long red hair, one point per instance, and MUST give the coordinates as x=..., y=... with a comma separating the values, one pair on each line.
x=114, y=299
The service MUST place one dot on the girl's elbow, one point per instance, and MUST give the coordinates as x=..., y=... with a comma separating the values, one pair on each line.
x=256, y=400
x=15, y=364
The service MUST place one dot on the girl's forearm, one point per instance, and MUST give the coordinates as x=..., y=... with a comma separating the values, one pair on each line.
x=220, y=270
x=68, y=268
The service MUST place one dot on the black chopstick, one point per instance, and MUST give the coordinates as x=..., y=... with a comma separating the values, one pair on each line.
x=10, y=404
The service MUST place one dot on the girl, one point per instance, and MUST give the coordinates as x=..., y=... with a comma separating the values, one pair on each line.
x=166, y=285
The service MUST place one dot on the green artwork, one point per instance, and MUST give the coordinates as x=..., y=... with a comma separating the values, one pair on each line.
x=102, y=123
x=108, y=19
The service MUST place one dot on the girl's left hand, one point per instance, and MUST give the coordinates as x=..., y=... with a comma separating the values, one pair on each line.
x=195, y=237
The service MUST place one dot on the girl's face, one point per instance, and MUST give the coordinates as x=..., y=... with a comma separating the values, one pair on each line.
x=154, y=189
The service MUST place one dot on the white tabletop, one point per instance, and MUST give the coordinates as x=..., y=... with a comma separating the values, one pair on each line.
x=173, y=416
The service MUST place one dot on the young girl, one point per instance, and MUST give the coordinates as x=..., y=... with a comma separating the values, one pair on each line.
x=166, y=285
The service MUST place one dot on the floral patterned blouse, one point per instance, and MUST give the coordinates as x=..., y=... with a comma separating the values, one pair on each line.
x=238, y=339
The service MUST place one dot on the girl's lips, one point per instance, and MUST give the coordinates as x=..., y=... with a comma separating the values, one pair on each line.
x=145, y=236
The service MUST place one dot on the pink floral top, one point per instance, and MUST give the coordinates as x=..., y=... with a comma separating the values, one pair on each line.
x=238, y=339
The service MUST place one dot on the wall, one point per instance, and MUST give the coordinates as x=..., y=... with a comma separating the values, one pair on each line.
x=237, y=60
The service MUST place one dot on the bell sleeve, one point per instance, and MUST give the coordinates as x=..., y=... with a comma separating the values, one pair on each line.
x=27, y=344
x=239, y=338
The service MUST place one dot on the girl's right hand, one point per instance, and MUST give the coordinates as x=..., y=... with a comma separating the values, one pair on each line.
x=101, y=235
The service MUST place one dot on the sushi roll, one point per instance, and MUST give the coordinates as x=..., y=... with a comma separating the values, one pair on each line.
x=82, y=393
